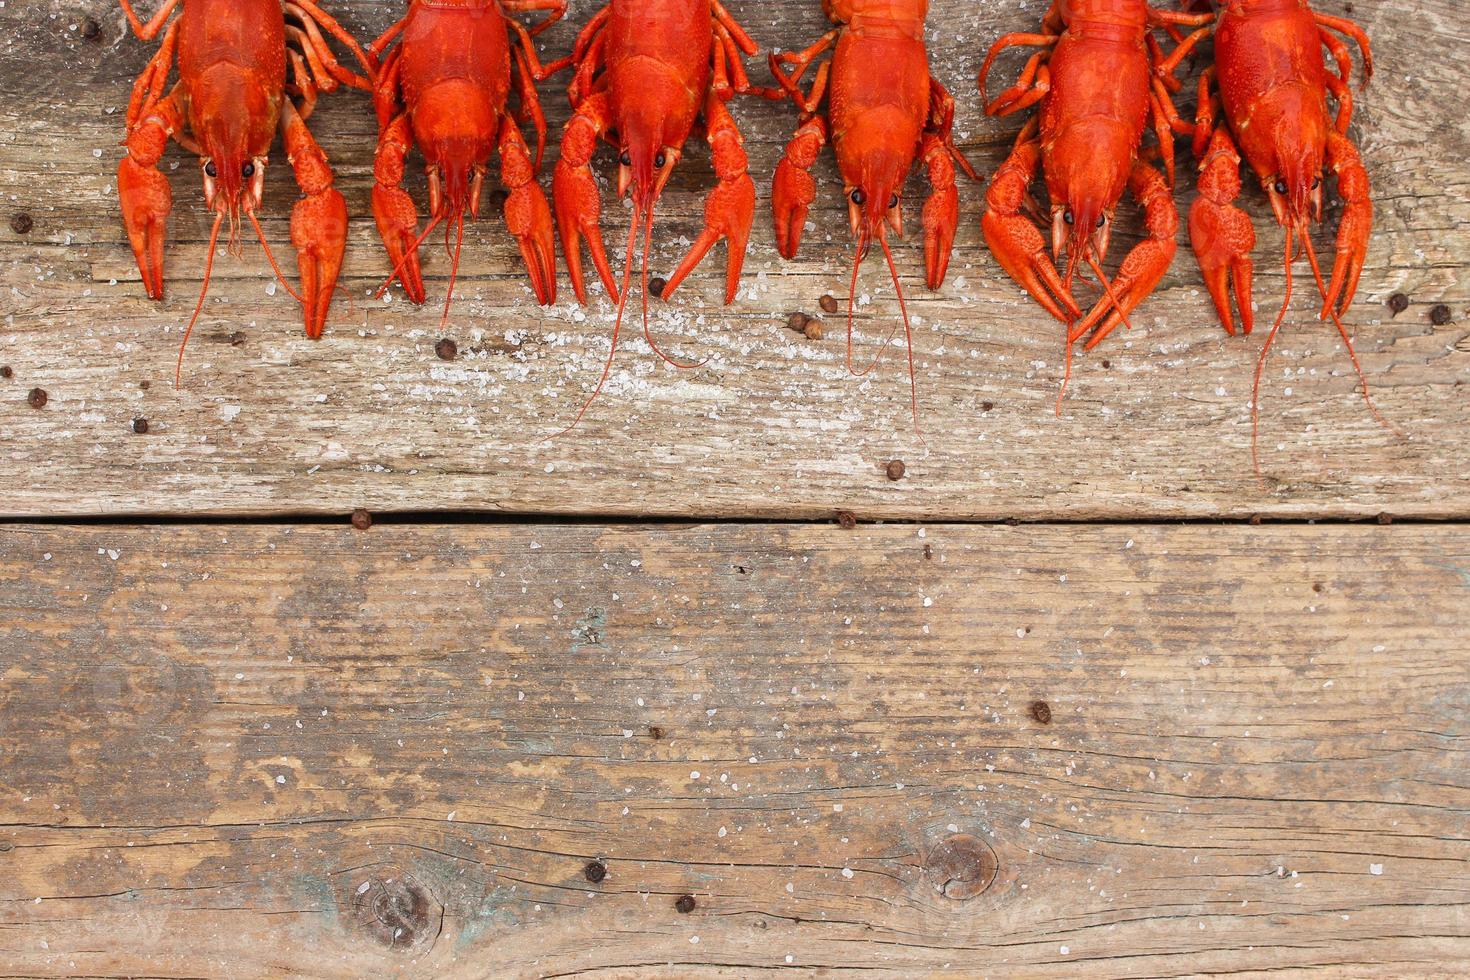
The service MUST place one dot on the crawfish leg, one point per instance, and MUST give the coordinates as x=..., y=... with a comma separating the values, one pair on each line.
x=942, y=208
x=1338, y=85
x=1032, y=85
x=527, y=214
x=316, y=20
x=1014, y=238
x=793, y=190
x=1145, y=265
x=730, y=208
x=1221, y=234
x=318, y=221
x=1344, y=26
x=790, y=81
x=528, y=72
x=1357, y=220
x=578, y=203
x=149, y=31
x=393, y=209
x=734, y=42
x=143, y=190
x=555, y=10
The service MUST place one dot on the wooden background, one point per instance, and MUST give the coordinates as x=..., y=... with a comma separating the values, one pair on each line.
x=239, y=737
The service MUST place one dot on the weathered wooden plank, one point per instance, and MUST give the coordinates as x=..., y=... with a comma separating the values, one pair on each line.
x=1156, y=424
x=257, y=750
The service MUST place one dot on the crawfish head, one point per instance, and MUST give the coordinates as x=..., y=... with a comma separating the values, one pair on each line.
x=650, y=145
x=234, y=155
x=1085, y=178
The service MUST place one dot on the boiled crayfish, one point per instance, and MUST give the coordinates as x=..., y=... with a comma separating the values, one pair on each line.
x=1266, y=94
x=246, y=68
x=644, y=71
x=1100, y=78
x=885, y=112
x=445, y=87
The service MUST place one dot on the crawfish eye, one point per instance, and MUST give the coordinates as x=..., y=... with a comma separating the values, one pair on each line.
x=1067, y=216
x=1316, y=182
x=892, y=202
x=1102, y=219
x=858, y=197
x=626, y=159
x=658, y=161
x=209, y=169
x=248, y=170
x=1281, y=187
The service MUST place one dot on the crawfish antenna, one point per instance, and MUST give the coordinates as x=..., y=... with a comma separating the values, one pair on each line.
x=1342, y=331
x=219, y=216
x=617, y=323
x=408, y=253
x=260, y=233
x=453, y=267
x=1261, y=364
x=643, y=273
x=908, y=332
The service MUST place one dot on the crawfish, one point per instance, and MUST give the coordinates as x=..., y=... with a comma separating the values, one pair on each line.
x=1100, y=78
x=885, y=114
x=1266, y=94
x=644, y=70
x=245, y=69
x=444, y=87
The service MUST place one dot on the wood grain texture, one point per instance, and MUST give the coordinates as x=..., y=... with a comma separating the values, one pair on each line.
x=1156, y=424
x=260, y=751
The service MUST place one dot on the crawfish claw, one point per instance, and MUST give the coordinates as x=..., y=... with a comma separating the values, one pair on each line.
x=941, y=218
x=1352, y=231
x=728, y=213
x=528, y=217
x=146, y=199
x=398, y=225
x=1222, y=234
x=319, y=232
x=578, y=208
x=793, y=189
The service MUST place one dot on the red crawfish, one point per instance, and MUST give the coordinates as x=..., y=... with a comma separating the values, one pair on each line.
x=1266, y=95
x=645, y=70
x=885, y=115
x=1099, y=80
x=246, y=68
x=444, y=87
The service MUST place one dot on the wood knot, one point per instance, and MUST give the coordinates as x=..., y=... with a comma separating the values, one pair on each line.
x=961, y=867
x=397, y=911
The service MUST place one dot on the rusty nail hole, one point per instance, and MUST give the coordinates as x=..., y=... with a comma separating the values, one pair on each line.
x=91, y=29
x=1041, y=711
x=21, y=223
x=657, y=285
x=6, y=372
x=237, y=339
x=928, y=553
x=361, y=519
x=1107, y=363
x=36, y=398
x=895, y=469
x=595, y=871
x=986, y=406
x=1439, y=314
x=1316, y=586
x=447, y=349
x=1384, y=518
x=847, y=519
x=1256, y=520
x=828, y=303
x=145, y=385
x=961, y=867
x=741, y=569
x=685, y=904
x=655, y=732
x=1398, y=303
x=140, y=426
